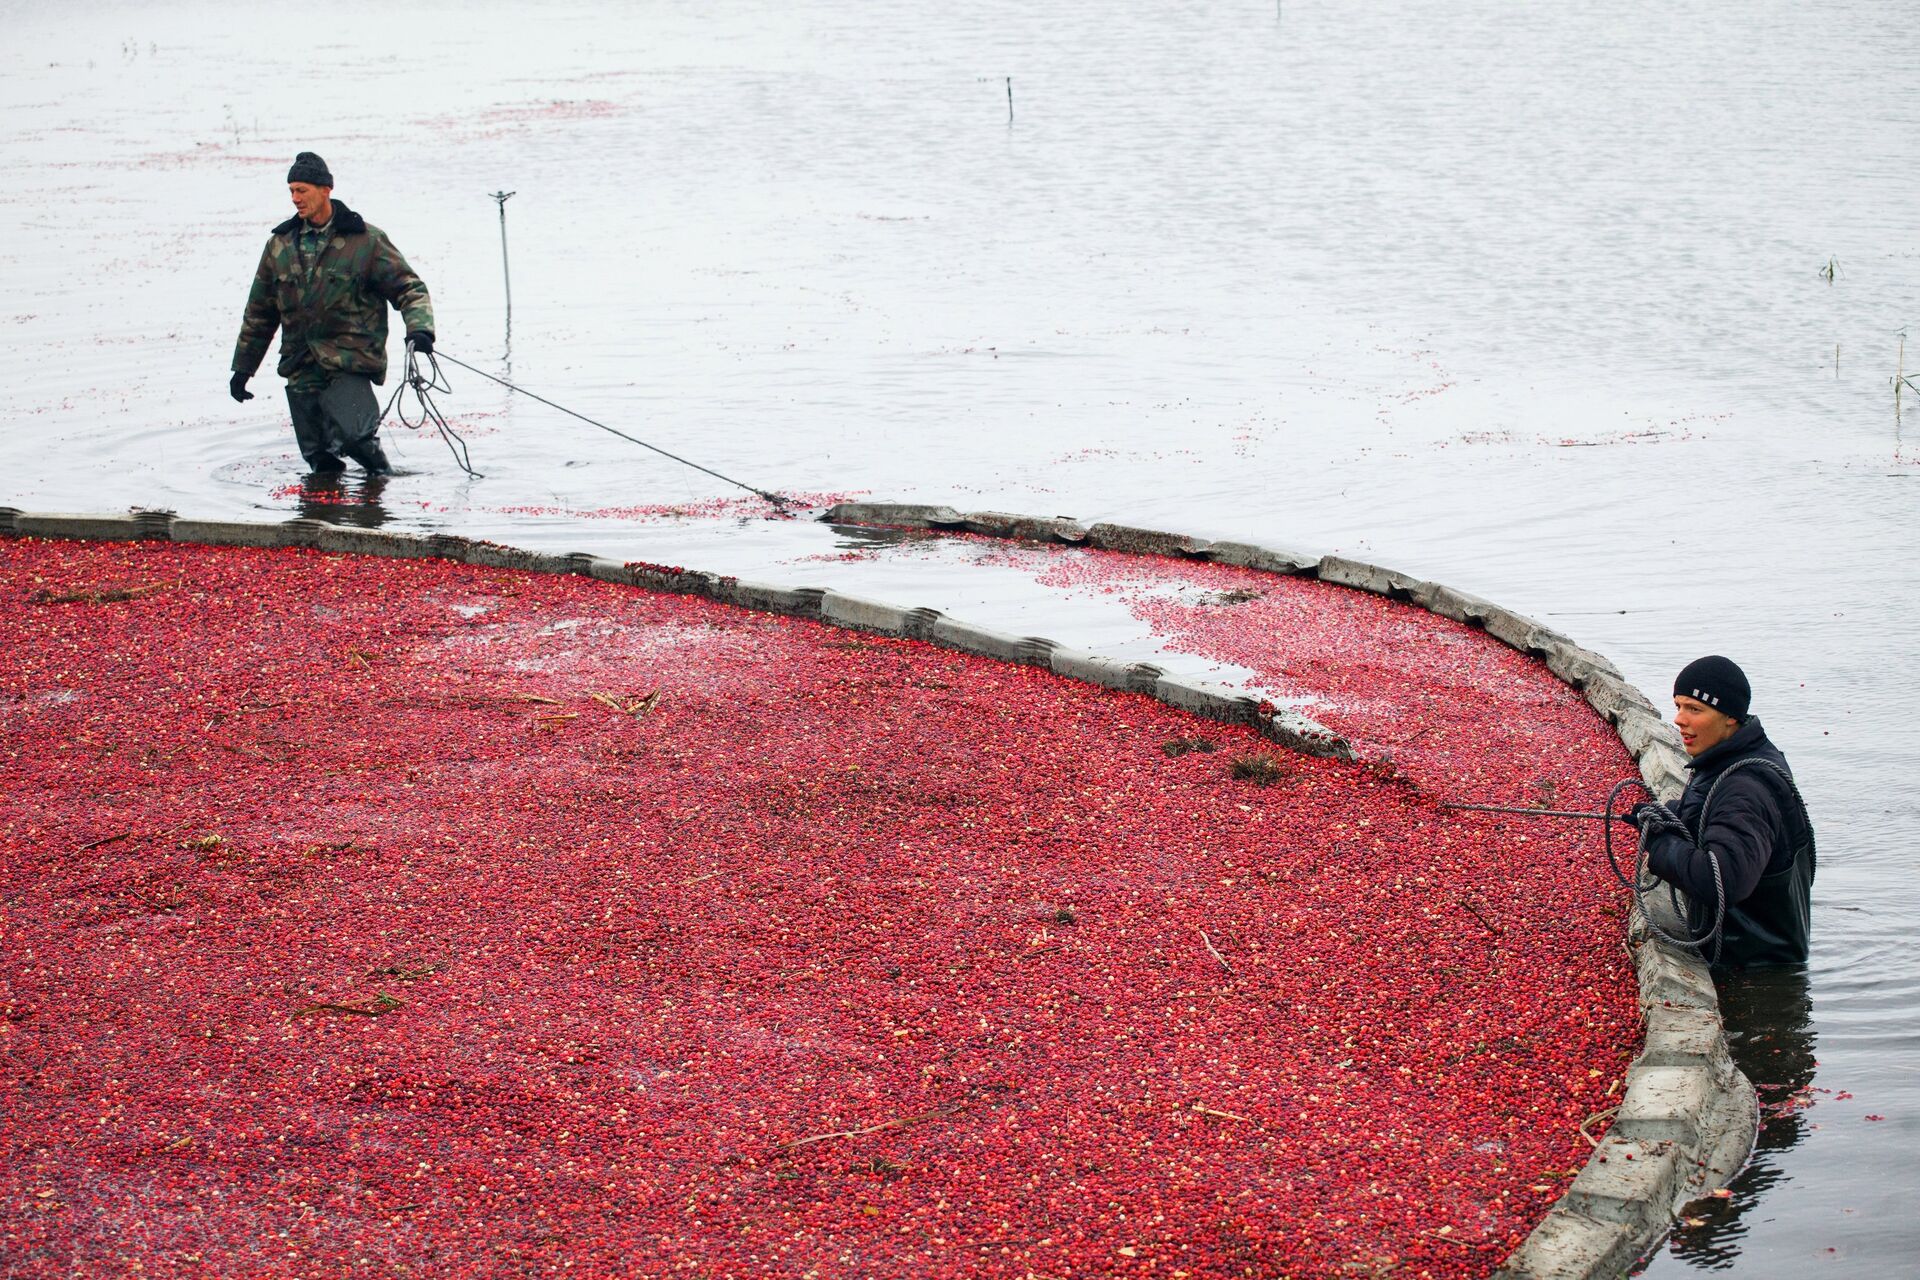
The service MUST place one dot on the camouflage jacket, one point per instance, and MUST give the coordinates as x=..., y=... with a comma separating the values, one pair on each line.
x=333, y=311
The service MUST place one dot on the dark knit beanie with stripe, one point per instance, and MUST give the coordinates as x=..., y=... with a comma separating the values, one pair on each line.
x=1716, y=682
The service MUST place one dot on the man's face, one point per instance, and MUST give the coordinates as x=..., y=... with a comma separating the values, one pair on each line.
x=309, y=201
x=1701, y=727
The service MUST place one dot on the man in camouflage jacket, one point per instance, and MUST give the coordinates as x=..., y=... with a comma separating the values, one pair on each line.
x=325, y=281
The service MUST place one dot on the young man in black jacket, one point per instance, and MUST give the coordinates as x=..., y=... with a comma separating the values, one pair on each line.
x=1743, y=818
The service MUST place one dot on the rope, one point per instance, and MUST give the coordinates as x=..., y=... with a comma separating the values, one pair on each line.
x=1664, y=819
x=1644, y=882
x=1793, y=789
x=1659, y=818
x=423, y=386
x=779, y=501
x=1706, y=807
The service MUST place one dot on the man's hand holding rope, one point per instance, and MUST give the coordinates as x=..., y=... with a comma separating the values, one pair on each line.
x=424, y=381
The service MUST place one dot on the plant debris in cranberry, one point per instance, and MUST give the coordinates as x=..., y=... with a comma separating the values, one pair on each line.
x=391, y=916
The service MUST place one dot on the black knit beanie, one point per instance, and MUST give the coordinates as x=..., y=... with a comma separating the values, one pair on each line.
x=1717, y=682
x=310, y=169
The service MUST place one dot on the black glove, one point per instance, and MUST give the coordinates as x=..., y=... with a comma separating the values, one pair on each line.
x=1649, y=816
x=237, y=388
x=421, y=340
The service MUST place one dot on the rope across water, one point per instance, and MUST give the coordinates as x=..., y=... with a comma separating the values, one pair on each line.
x=424, y=385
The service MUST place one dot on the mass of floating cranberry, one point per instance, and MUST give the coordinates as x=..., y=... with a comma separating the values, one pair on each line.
x=366, y=916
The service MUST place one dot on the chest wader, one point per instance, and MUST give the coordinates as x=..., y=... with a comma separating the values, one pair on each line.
x=334, y=415
x=340, y=419
x=1774, y=923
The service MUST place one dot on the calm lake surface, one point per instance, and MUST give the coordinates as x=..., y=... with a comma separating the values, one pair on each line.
x=1594, y=311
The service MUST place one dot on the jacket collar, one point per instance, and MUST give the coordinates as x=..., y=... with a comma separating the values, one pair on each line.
x=1745, y=740
x=345, y=222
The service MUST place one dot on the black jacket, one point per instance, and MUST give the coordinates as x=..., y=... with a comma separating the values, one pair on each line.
x=1760, y=832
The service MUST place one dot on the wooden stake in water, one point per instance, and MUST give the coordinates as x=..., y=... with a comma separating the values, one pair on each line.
x=506, y=277
x=1009, y=99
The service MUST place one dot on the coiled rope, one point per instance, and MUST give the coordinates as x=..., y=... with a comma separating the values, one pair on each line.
x=1643, y=882
x=423, y=386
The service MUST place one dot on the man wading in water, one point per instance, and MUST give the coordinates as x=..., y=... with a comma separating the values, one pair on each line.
x=325, y=280
x=1755, y=825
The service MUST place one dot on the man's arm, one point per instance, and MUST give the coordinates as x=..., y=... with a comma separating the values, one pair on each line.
x=262, y=318
x=1740, y=829
x=398, y=284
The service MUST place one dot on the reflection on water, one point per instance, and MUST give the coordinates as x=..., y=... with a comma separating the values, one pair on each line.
x=1769, y=1015
x=856, y=538
x=344, y=499
x=1773, y=1042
